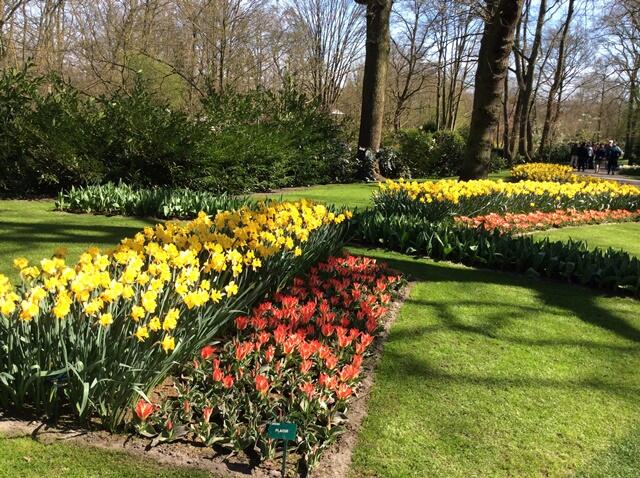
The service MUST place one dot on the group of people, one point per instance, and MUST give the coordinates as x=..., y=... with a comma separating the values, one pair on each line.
x=593, y=155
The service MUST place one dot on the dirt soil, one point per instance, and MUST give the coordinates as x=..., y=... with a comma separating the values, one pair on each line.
x=335, y=462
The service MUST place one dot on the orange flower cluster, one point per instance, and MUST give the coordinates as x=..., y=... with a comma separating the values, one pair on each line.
x=298, y=355
x=546, y=220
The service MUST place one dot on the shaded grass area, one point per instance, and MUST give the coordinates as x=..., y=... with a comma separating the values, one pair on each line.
x=624, y=236
x=33, y=229
x=27, y=458
x=491, y=374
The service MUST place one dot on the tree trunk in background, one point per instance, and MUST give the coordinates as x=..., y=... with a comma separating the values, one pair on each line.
x=506, y=151
x=524, y=146
x=545, y=140
x=493, y=61
x=374, y=85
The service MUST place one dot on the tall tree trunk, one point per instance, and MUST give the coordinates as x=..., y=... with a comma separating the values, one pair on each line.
x=374, y=85
x=557, y=82
x=506, y=152
x=601, y=109
x=493, y=61
x=630, y=133
x=525, y=146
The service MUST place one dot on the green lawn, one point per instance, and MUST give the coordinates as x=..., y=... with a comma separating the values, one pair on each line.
x=485, y=374
x=26, y=458
x=619, y=236
x=352, y=196
x=33, y=229
x=490, y=374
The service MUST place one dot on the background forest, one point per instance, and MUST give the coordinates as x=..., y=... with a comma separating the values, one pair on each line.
x=252, y=95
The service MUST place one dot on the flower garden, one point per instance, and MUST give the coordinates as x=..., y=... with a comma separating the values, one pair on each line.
x=251, y=313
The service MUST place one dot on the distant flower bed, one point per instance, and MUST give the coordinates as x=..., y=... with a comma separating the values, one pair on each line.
x=440, y=199
x=543, y=172
x=297, y=357
x=544, y=220
x=164, y=203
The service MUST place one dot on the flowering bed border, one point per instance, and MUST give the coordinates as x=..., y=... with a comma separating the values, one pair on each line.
x=539, y=220
x=297, y=357
x=335, y=460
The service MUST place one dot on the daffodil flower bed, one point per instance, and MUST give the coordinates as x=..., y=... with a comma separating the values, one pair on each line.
x=297, y=357
x=441, y=199
x=546, y=172
x=89, y=338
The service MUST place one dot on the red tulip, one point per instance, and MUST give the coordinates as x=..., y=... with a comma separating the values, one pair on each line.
x=227, y=381
x=262, y=384
x=206, y=413
x=308, y=389
x=344, y=391
x=144, y=409
x=207, y=351
x=242, y=322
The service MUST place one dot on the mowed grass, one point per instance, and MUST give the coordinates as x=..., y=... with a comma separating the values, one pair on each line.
x=33, y=229
x=351, y=196
x=488, y=374
x=624, y=236
x=27, y=458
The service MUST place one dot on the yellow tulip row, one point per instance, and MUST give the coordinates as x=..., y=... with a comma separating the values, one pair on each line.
x=453, y=191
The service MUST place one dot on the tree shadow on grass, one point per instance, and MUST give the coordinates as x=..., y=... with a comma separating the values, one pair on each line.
x=22, y=237
x=578, y=301
x=421, y=370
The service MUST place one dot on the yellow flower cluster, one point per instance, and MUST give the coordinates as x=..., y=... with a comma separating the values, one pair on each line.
x=542, y=172
x=453, y=191
x=550, y=172
x=145, y=285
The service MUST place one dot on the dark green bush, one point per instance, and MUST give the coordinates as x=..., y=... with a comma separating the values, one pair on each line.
x=421, y=153
x=446, y=156
x=45, y=137
x=142, y=141
x=51, y=138
x=557, y=153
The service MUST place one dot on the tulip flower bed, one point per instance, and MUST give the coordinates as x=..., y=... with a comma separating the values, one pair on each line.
x=89, y=338
x=545, y=220
x=446, y=198
x=572, y=261
x=296, y=358
x=164, y=203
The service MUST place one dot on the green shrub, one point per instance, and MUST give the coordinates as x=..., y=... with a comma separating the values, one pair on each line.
x=422, y=153
x=140, y=140
x=45, y=138
x=52, y=138
x=556, y=153
x=446, y=156
x=264, y=140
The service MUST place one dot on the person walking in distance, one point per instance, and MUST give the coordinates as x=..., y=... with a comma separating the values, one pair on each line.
x=600, y=156
x=614, y=153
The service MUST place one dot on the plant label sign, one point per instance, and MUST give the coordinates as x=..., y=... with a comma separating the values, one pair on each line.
x=282, y=431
